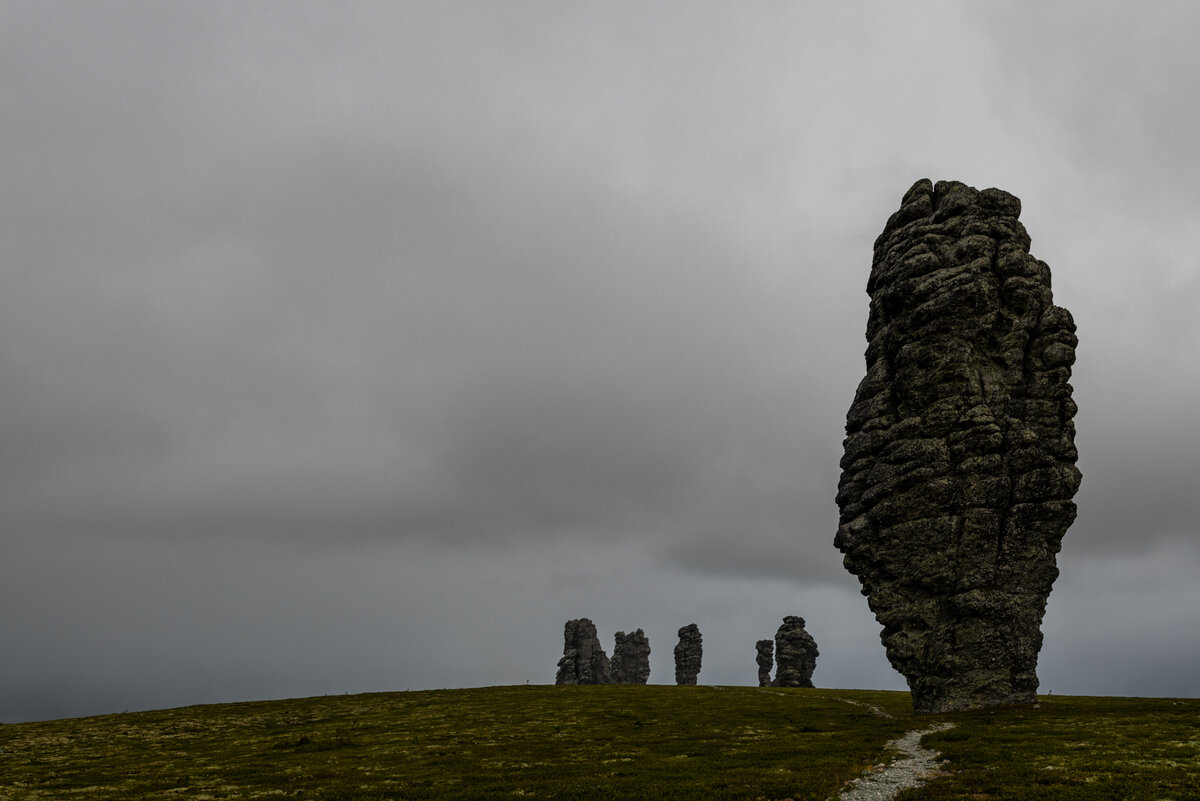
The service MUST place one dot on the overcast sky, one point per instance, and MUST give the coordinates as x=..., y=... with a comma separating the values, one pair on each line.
x=358, y=346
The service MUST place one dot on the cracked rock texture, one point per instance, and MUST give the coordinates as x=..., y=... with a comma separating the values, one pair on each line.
x=795, y=654
x=631, y=658
x=766, y=661
x=959, y=464
x=583, y=660
x=687, y=654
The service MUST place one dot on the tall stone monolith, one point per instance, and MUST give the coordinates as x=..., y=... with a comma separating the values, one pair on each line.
x=583, y=660
x=795, y=654
x=688, y=654
x=959, y=464
x=631, y=658
x=765, y=657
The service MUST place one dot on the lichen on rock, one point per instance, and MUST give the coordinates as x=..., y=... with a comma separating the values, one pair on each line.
x=959, y=460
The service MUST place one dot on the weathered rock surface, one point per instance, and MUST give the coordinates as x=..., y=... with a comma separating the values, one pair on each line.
x=583, y=660
x=631, y=658
x=687, y=654
x=766, y=661
x=959, y=464
x=795, y=654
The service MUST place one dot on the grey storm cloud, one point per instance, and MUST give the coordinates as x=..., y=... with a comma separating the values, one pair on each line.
x=329, y=326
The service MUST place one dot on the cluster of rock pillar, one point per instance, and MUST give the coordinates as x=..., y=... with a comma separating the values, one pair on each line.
x=959, y=463
x=584, y=661
x=794, y=653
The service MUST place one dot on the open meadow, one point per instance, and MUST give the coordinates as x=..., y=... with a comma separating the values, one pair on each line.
x=602, y=742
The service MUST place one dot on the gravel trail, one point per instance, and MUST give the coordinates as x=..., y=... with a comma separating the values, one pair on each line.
x=883, y=782
x=875, y=710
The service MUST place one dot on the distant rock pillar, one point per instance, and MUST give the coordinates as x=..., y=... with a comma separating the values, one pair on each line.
x=583, y=660
x=795, y=654
x=688, y=654
x=766, y=661
x=631, y=658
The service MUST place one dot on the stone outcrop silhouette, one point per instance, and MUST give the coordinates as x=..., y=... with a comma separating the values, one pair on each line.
x=959, y=463
x=631, y=658
x=795, y=654
x=766, y=660
x=688, y=654
x=583, y=660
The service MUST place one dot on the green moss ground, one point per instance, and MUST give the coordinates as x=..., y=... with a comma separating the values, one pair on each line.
x=1073, y=748
x=613, y=742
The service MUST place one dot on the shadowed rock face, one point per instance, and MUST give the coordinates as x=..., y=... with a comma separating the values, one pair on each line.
x=959, y=463
x=687, y=654
x=583, y=660
x=795, y=654
x=631, y=658
x=766, y=661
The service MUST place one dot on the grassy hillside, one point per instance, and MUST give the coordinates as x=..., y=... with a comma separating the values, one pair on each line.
x=634, y=742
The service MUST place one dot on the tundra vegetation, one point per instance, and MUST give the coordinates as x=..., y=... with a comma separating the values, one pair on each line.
x=602, y=742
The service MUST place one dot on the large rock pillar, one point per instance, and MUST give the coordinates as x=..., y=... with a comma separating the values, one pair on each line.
x=795, y=654
x=959, y=464
x=583, y=660
x=631, y=658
